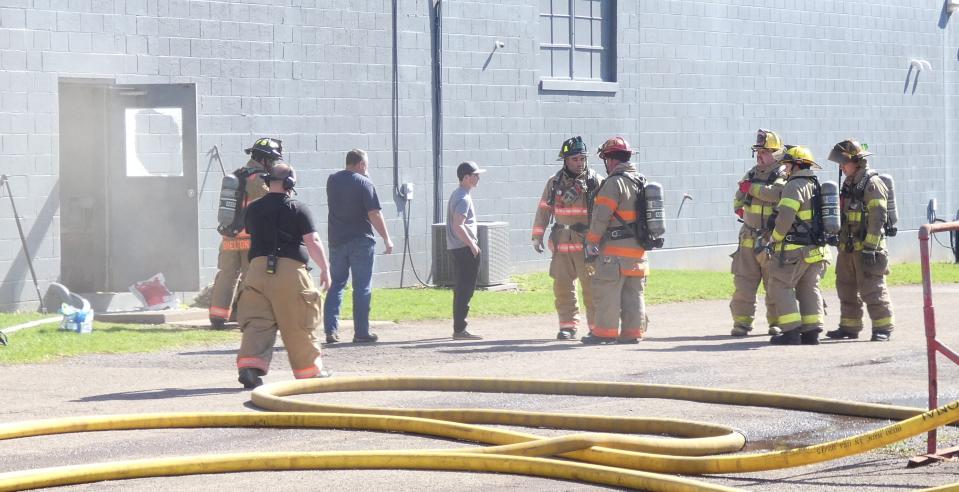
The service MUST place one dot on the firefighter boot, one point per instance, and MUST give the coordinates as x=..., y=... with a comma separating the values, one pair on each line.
x=841, y=334
x=880, y=336
x=791, y=337
x=250, y=377
x=740, y=330
x=566, y=334
x=595, y=340
x=810, y=337
x=774, y=330
x=627, y=340
x=217, y=323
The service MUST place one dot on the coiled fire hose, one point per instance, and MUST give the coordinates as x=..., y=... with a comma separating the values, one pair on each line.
x=603, y=458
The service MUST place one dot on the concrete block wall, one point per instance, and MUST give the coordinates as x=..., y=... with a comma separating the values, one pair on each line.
x=814, y=71
x=694, y=81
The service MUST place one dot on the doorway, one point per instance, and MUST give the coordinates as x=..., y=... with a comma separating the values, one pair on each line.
x=128, y=174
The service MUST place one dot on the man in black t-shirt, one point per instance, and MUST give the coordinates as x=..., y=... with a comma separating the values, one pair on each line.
x=278, y=291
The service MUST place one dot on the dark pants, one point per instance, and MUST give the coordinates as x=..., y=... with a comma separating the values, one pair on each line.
x=466, y=268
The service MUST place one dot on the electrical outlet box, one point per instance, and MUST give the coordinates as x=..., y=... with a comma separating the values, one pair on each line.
x=406, y=191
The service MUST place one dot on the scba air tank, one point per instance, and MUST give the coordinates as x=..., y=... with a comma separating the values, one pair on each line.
x=829, y=208
x=229, y=198
x=891, y=215
x=655, y=219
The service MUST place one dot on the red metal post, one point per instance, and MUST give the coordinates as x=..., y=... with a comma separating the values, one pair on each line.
x=929, y=317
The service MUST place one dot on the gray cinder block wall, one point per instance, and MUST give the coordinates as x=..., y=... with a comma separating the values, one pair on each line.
x=693, y=81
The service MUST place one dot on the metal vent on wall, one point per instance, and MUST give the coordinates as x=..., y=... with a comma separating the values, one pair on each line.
x=494, y=260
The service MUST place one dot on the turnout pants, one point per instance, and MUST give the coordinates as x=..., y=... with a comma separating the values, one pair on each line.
x=231, y=263
x=286, y=301
x=794, y=289
x=565, y=268
x=857, y=284
x=617, y=297
x=748, y=273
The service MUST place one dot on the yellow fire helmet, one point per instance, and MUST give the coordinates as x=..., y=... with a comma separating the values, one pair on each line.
x=800, y=155
x=767, y=139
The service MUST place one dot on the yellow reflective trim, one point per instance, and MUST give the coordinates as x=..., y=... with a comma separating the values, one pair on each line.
x=787, y=247
x=877, y=202
x=737, y=204
x=882, y=322
x=790, y=318
x=747, y=242
x=756, y=208
x=805, y=215
x=746, y=320
x=777, y=236
x=850, y=322
x=872, y=239
x=854, y=216
x=811, y=319
x=789, y=203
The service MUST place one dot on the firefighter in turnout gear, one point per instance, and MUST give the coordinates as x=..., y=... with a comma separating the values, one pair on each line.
x=233, y=259
x=617, y=260
x=755, y=200
x=863, y=263
x=797, y=256
x=567, y=200
x=278, y=290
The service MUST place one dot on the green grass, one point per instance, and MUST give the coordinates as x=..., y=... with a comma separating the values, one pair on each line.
x=535, y=296
x=48, y=342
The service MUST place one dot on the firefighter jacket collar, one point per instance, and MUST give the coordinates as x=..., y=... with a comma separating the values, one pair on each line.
x=803, y=173
x=623, y=167
x=856, y=178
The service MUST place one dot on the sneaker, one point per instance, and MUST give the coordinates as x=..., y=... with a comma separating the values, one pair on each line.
x=566, y=334
x=370, y=338
x=250, y=377
x=774, y=330
x=217, y=323
x=810, y=337
x=332, y=338
x=595, y=340
x=881, y=336
x=465, y=335
x=791, y=337
x=627, y=340
x=740, y=330
x=840, y=334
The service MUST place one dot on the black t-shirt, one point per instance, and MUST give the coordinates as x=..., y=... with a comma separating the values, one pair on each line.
x=276, y=218
x=350, y=196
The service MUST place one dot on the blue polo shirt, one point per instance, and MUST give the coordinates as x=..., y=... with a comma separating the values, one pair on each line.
x=350, y=197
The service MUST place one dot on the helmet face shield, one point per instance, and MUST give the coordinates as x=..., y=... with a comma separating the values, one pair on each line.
x=767, y=139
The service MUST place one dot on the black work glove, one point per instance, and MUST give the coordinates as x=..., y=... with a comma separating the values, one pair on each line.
x=869, y=257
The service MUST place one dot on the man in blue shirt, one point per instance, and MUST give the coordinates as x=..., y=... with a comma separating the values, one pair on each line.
x=354, y=213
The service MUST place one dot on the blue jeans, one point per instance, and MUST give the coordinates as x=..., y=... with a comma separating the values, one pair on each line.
x=356, y=256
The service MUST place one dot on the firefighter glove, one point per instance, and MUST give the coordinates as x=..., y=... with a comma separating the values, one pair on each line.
x=538, y=244
x=869, y=257
x=744, y=186
x=592, y=251
x=739, y=212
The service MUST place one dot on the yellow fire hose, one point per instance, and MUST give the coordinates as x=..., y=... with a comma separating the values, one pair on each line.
x=606, y=459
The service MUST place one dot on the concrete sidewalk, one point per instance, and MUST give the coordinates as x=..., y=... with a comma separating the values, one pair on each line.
x=687, y=344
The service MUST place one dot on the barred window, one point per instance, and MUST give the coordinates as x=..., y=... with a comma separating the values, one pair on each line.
x=578, y=39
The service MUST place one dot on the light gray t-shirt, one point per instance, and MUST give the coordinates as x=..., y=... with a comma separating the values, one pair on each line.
x=460, y=203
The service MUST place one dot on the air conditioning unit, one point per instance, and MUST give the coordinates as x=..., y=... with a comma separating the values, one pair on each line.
x=494, y=261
